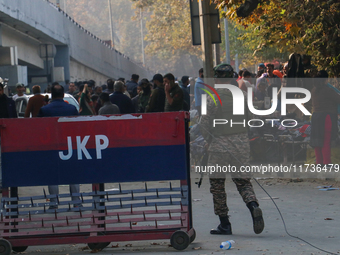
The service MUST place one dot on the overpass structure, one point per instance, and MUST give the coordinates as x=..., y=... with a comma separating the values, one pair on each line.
x=40, y=44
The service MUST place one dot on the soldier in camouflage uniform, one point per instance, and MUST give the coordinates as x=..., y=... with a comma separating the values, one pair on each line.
x=222, y=139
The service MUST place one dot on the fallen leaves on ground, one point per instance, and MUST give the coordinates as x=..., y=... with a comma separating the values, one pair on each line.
x=95, y=250
x=84, y=248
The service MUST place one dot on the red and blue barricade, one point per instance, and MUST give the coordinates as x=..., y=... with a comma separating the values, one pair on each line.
x=97, y=150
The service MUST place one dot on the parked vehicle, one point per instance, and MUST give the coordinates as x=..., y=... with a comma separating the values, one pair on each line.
x=21, y=102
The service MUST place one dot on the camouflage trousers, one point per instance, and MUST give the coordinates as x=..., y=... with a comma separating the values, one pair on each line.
x=217, y=189
x=238, y=145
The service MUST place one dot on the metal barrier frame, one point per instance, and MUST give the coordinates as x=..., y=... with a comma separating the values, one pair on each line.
x=96, y=218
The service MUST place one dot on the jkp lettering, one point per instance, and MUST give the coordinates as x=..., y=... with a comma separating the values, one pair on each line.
x=102, y=142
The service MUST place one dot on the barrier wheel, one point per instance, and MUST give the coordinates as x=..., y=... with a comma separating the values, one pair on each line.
x=5, y=247
x=98, y=246
x=193, y=237
x=180, y=240
x=20, y=248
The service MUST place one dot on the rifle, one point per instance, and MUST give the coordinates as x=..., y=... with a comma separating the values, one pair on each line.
x=203, y=161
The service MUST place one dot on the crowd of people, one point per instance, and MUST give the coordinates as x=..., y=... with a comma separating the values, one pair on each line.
x=161, y=94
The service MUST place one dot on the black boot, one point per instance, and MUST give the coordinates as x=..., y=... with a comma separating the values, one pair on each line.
x=256, y=214
x=224, y=228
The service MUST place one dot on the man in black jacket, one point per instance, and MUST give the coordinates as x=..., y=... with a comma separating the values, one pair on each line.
x=7, y=105
x=122, y=101
x=157, y=98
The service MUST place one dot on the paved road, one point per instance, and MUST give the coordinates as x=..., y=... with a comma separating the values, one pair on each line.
x=303, y=206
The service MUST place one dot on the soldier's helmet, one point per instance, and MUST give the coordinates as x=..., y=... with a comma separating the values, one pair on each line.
x=223, y=71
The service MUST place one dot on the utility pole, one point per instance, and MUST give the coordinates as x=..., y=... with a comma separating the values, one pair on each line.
x=217, y=54
x=226, y=35
x=111, y=23
x=236, y=57
x=207, y=54
x=142, y=34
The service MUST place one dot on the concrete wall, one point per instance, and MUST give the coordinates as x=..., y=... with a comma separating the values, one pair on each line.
x=5, y=53
x=81, y=73
x=27, y=48
x=48, y=24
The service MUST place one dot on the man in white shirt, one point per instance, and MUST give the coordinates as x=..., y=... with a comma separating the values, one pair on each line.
x=20, y=91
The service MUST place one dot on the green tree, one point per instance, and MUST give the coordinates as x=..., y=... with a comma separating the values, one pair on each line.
x=170, y=53
x=303, y=26
x=169, y=35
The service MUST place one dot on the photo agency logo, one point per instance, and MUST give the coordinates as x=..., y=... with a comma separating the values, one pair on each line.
x=239, y=105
